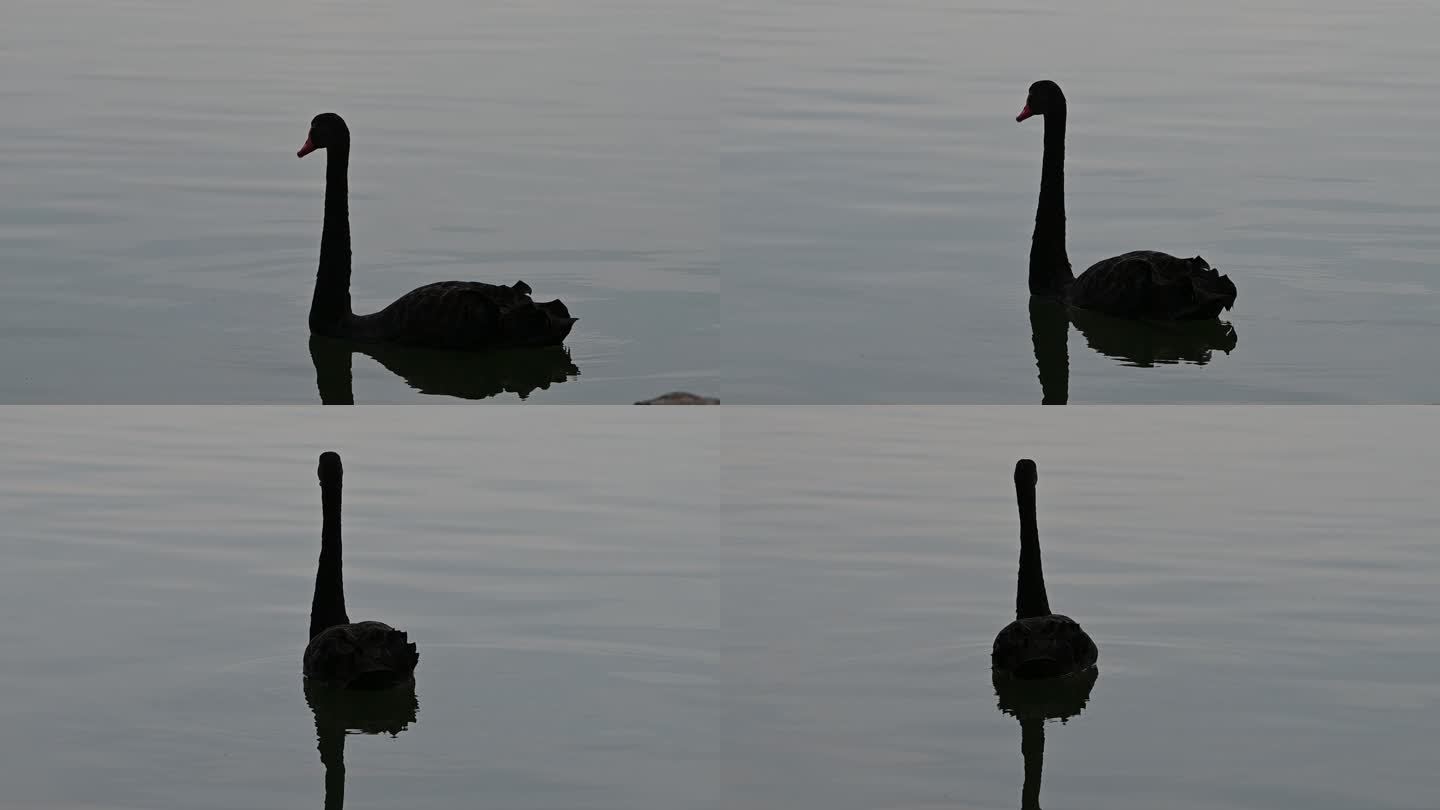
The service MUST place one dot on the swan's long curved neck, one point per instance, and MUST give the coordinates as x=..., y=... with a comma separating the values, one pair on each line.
x=1030, y=598
x=1050, y=270
x=327, y=609
x=330, y=311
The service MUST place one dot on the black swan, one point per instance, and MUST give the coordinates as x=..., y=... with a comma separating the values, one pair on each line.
x=362, y=655
x=1038, y=644
x=1139, y=285
x=467, y=315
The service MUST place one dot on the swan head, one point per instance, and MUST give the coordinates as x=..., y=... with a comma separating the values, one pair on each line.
x=326, y=129
x=330, y=470
x=1025, y=472
x=1044, y=96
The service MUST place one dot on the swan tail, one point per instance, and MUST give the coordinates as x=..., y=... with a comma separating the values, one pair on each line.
x=547, y=323
x=1211, y=292
x=392, y=664
x=403, y=654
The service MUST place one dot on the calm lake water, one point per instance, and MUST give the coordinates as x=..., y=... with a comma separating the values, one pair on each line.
x=557, y=575
x=1262, y=584
x=855, y=169
x=879, y=197
x=160, y=238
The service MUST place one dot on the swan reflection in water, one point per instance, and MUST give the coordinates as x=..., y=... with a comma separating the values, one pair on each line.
x=467, y=375
x=339, y=712
x=1142, y=344
x=1033, y=703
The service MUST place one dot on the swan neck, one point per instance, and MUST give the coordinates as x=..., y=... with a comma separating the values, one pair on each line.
x=1032, y=748
x=330, y=308
x=328, y=607
x=1030, y=598
x=1050, y=270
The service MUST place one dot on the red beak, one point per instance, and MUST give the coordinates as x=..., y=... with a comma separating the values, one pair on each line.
x=306, y=149
x=1025, y=113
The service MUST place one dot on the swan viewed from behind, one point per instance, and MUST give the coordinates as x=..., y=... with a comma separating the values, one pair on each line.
x=467, y=315
x=1139, y=285
x=1039, y=643
x=359, y=655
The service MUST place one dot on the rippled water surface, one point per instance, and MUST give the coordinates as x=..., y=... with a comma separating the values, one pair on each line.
x=558, y=578
x=879, y=197
x=1261, y=582
x=160, y=238
x=596, y=631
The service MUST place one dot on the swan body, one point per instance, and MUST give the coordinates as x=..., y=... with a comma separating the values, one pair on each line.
x=1043, y=647
x=1039, y=643
x=1139, y=285
x=462, y=315
x=342, y=654
x=363, y=655
x=465, y=315
x=1152, y=286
